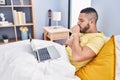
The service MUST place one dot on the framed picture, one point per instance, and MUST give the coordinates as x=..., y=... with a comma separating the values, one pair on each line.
x=2, y=2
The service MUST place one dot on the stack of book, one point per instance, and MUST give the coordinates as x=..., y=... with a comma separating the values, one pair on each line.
x=19, y=17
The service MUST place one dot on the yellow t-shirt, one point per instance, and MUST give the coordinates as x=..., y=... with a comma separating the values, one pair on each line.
x=95, y=41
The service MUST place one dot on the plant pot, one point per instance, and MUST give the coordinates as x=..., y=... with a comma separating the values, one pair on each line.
x=24, y=35
x=5, y=40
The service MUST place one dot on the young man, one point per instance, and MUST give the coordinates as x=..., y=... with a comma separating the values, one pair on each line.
x=85, y=41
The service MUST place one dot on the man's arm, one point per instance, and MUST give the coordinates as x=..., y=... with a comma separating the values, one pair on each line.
x=80, y=53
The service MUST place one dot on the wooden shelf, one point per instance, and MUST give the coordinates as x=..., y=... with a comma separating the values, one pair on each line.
x=9, y=41
x=5, y=6
x=27, y=24
x=19, y=13
x=6, y=26
x=22, y=5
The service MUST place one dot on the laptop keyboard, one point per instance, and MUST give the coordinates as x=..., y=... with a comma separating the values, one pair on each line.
x=43, y=54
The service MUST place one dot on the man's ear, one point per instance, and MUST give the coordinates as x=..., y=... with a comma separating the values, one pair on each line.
x=92, y=21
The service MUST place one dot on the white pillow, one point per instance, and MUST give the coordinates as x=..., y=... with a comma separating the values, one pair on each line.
x=117, y=41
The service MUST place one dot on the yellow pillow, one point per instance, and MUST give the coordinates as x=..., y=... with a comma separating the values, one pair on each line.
x=102, y=67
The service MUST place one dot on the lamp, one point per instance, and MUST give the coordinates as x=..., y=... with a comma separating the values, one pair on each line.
x=56, y=17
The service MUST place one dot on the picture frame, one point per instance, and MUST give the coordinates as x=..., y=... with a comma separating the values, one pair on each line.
x=2, y=2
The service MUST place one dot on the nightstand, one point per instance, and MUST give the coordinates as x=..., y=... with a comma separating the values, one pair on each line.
x=55, y=33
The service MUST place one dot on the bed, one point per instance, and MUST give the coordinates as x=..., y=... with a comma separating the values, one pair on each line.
x=17, y=62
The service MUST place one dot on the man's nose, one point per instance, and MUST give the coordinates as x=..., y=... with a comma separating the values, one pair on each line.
x=78, y=23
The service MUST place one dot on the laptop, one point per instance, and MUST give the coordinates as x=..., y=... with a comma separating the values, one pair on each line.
x=45, y=53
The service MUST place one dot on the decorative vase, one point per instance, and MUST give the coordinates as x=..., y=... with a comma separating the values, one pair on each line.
x=24, y=35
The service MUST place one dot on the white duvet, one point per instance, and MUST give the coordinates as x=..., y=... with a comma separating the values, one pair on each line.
x=18, y=63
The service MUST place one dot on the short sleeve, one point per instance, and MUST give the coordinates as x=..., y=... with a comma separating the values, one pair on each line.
x=96, y=44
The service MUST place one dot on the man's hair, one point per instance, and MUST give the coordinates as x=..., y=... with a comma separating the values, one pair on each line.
x=91, y=13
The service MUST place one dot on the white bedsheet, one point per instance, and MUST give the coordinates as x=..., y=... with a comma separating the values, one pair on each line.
x=18, y=63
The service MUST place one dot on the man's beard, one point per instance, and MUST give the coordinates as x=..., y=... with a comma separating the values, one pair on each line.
x=85, y=28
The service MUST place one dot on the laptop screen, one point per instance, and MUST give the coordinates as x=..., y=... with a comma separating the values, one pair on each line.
x=45, y=53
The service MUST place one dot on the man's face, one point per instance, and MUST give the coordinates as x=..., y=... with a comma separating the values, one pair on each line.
x=83, y=22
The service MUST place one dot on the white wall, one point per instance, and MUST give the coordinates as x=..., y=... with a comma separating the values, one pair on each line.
x=108, y=11
x=109, y=16
x=41, y=14
x=41, y=8
x=64, y=13
x=76, y=7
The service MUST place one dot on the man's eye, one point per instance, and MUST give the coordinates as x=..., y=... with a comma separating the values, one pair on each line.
x=81, y=21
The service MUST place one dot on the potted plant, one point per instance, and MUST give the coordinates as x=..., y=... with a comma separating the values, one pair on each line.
x=5, y=38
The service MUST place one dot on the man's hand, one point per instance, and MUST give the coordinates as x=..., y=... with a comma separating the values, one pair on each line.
x=75, y=34
x=75, y=29
x=69, y=42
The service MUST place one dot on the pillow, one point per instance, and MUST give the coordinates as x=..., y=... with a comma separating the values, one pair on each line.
x=102, y=67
